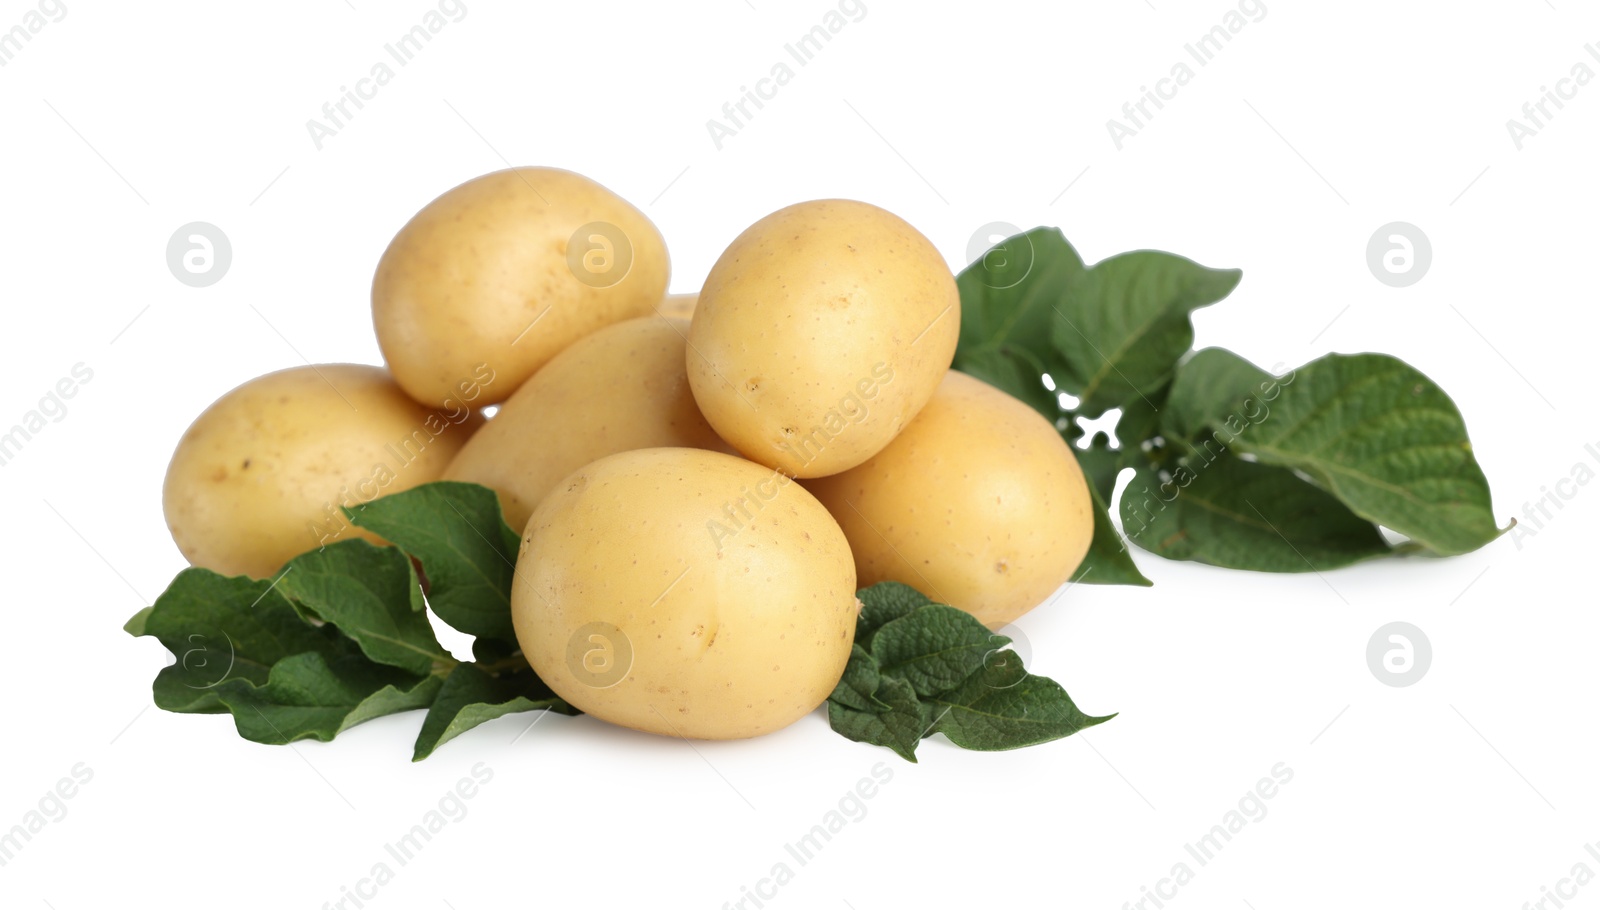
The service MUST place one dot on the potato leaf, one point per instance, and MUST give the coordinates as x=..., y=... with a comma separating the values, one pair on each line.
x=307, y=697
x=471, y=696
x=900, y=728
x=221, y=627
x=934, y=648
x=883, y=603
x=1386, y=441
x=1217, y=388
x=371, y=594
x=1005, y=707
x=457, y=532
x=1008, y=301
x=858, y=687
x=1242, y=515
x=932, y=668
x=1125, y=325
x=1108, y=561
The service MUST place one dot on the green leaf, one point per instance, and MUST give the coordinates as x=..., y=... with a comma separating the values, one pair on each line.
x=241, y=647
x=899, y=728
x=1015, y=371
x=223, y=628
x=371, y=594
x=1005, y=707
x=1008, y=300
x=1218, y=388
x=304, y=697
x=1108, y=561
x=1101, y=464
x=1140, y=422
x=858, y=687
x=934, y=648
x=1385, y=440
x=471, y=697
x=1126, y=324
x=1242, y=515
x=883, y=603
x=457, y=532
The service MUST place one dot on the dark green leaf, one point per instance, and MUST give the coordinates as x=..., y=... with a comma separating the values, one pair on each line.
x=883, y=603
x=1108, y=561
x=1385, y=440
x=1008, y=301
x=858, y=687
x=222, y=628
x=1101, y=464
x=1015, y=371
x=1140, y=422
x=371, y=594
x=900, y=727
x=1005, y=707
x=1125, y=325
x=457, y=532
x=1241, y=515
x=934, y=648
x=471, y=697
x=1218, y=388
x=305, y=696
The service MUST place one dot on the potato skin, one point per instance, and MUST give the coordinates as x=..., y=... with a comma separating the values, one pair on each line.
x=979, y=503
x=622, y=388
x=259, y=476
x=463, y=281
x=679, y=306
x=820, y=332
x=689, y=641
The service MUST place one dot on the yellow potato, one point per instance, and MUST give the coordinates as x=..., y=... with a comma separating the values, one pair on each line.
x=622, y=388
x=260, y=476
x=679, y=306
x=686, y=593
x=507, y=270
x=820, y=332
x=979, y=504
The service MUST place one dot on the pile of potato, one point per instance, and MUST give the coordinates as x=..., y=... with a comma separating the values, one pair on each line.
x=702, y=485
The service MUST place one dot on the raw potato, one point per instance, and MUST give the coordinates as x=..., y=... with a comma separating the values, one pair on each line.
x=259, y=477
x=979, y=504
x=484, y=275
x=646, y=597
x=820, y=332
x=679, y=306
x=622, y=388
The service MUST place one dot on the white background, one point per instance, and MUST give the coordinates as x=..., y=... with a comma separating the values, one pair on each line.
x=1318, y=123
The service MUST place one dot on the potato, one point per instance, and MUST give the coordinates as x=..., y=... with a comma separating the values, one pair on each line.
x=259, y=477
x=820, y=332
x=686, y=593
x=679, y=306
x=979, y=504
x=622, y=388
x=507, y=270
